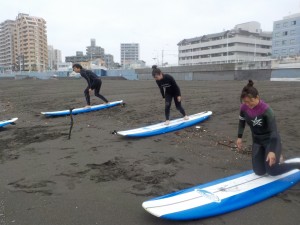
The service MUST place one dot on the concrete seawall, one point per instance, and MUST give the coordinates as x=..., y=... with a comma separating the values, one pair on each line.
x=208, y=72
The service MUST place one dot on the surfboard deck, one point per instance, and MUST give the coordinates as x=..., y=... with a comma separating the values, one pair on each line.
x=221, y=196
x=83, y=109
x=4, y=123
x=161, y=128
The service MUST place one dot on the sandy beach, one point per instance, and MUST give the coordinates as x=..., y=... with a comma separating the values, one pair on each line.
x=98, y=177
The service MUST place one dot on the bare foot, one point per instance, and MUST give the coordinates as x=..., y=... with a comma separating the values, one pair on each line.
x=186, y=118
x=167, y=122
x=281, y=159
x=87, y=106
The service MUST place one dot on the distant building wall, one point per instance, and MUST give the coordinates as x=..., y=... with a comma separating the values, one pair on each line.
x=128, y=74
x=208, y=72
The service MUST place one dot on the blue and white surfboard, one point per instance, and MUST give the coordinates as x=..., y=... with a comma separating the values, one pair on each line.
x=161, y=128
x=4, y=123
x=83, y=109
x=221, y=196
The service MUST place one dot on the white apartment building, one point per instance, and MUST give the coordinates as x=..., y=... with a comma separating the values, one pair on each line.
x=246, y=42
x=286, y=37
x=130, y=53
x=7, y=45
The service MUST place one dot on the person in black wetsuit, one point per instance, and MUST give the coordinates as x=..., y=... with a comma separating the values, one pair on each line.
x=169, y=89
x=94, y=83
x=266, y=148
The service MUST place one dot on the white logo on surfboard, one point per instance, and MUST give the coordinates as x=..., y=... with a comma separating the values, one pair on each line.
x=208, y=195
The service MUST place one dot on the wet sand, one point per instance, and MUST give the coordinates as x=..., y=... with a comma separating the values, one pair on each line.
x=97, y=177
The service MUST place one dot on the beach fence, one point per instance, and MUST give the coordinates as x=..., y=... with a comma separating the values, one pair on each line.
x=25, y=75
x=195, y=72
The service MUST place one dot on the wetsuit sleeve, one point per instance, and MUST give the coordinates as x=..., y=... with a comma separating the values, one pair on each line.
x=270, y=119
x=242, y=124
x=85, y=76
x=161, y=89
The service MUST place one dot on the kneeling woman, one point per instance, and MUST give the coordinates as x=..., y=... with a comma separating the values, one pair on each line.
x=266, y=148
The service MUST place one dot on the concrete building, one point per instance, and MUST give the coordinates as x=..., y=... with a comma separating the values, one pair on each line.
x=54, y=58
x=245, y=43
x=79, y=57
x=93, y=51
x=286, y=37
x=7, y=45
x=30, y=43
x=109, y=61
x=129, y=52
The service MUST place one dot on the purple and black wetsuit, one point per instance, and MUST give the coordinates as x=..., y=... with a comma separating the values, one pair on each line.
x=266, y=138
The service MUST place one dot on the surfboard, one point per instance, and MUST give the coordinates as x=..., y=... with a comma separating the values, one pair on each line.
x=221, y=196
x=161, y=128
x=4, y=123
x=83, y=109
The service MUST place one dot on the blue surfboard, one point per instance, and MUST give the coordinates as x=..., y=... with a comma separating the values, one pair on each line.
x=4, y=123
x=161, y=128
x=221, y=196
x=83, y=109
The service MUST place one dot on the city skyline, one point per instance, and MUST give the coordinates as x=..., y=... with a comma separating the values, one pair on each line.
x=157, y=26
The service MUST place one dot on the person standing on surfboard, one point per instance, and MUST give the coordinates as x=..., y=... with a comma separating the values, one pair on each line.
x=266, y=147
x=169, y=89
x=94, y=83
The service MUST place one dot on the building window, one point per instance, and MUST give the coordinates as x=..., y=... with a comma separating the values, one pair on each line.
x=292, y=41
x=284, y=33
x=277, y=43
x=284, y=42
x=285, y=24
x=292, y=50
x=277, y=25
x=283, y=51
x=277, y=34
x=275, y=52
x=292, y=32
x=293, y=22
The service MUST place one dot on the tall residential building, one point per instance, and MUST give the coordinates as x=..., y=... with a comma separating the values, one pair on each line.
x=286, y=37
x=30, y=43
x=246, y=42
x=7, y=45
x=130, y=53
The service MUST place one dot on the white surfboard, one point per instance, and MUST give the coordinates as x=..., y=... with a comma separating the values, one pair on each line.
x=83, y=109
x=221, y=196
x=161, y=128
x=3, y=123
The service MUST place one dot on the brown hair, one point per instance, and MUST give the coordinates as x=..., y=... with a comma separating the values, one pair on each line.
x=249, y=91
x=155, y=70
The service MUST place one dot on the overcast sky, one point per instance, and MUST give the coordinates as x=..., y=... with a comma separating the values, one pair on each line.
x=155, y=24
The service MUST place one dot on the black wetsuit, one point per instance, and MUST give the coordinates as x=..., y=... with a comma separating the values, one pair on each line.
x=169, y=89
x=266, y=138
x=94, y=83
